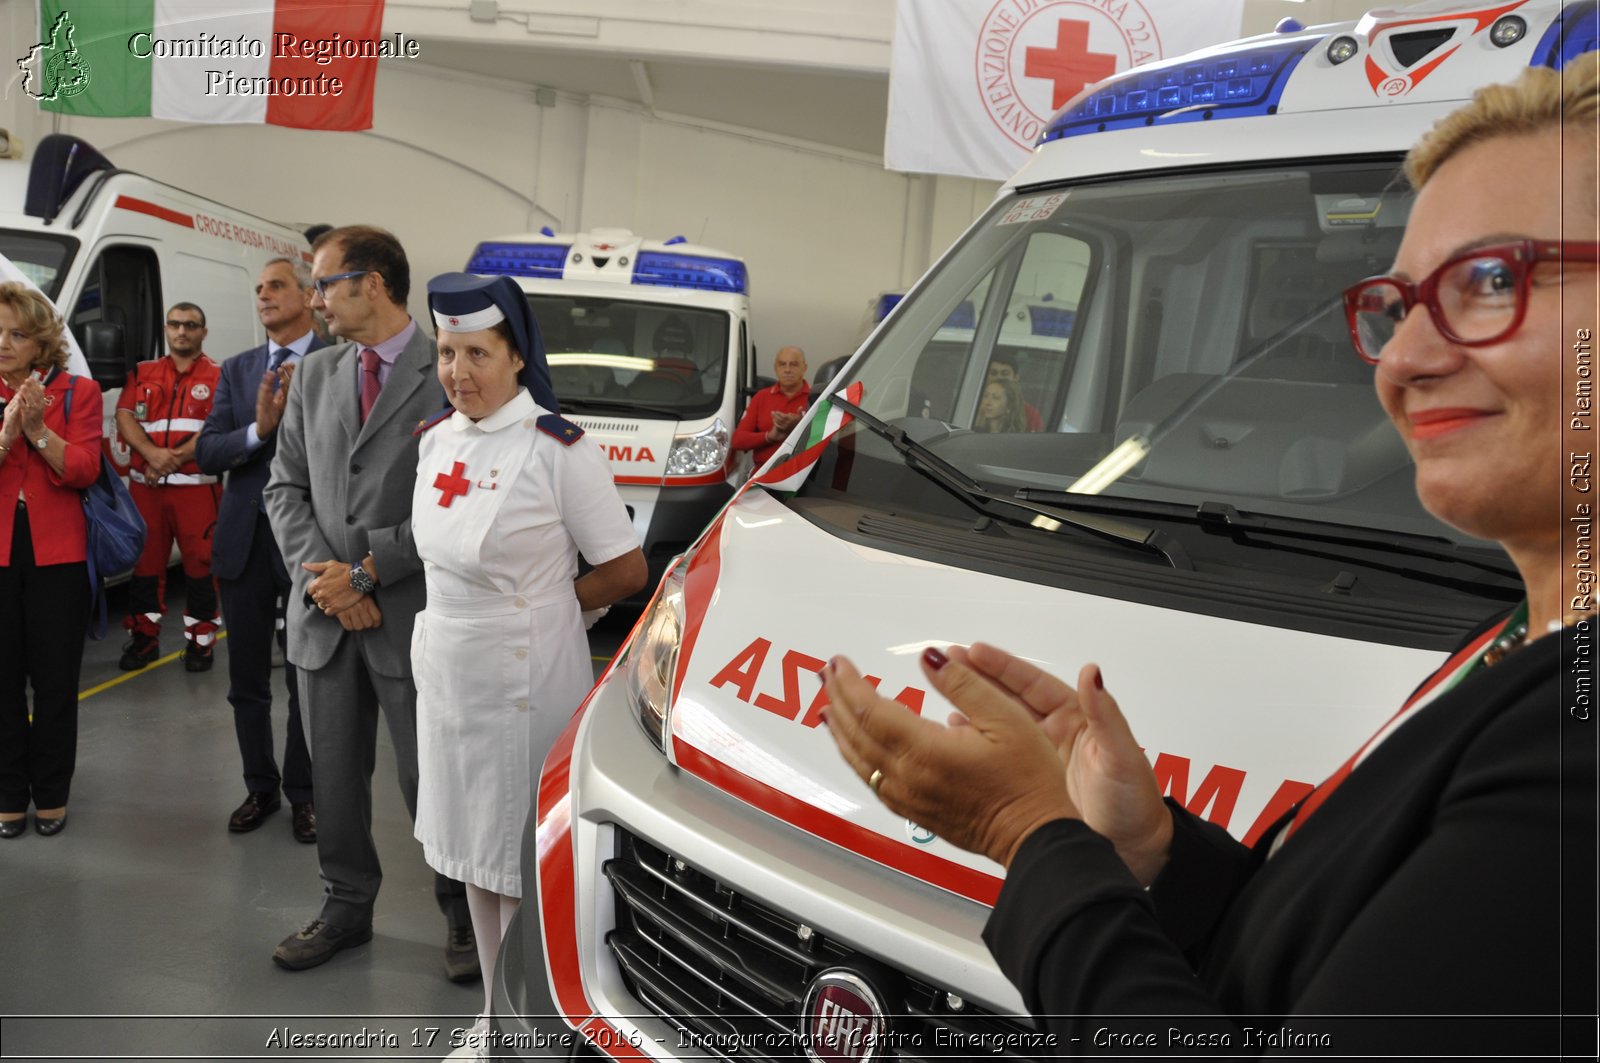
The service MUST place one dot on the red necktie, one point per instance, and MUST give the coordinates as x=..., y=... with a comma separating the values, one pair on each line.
x=369, y=381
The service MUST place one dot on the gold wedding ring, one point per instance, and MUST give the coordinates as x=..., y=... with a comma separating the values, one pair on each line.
x=875, y=780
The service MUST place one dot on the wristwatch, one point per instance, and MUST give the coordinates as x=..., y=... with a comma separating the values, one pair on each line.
x=43, y=442
x=360, y=581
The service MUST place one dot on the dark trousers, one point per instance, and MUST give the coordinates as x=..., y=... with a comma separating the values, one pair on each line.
x=250, y=608
x=343, y=700
x=44, y=612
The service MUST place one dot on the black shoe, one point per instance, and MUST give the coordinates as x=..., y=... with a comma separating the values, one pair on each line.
x=11, y=828
x=256, y=808
x=139, y=651
x=305, y=822
x=316, y=943
x=48, y=827
x=197, y=658
x=461, y=955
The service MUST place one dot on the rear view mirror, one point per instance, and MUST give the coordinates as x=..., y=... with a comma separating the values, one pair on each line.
x=103, y=348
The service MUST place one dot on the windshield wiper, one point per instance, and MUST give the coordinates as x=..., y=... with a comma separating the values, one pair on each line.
x=1220, y=518
x=1012, y=509
x=619, y=405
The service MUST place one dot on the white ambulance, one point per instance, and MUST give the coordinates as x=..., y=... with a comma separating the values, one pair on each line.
x=650, y=352
x=1248, y=561
x=115, y=249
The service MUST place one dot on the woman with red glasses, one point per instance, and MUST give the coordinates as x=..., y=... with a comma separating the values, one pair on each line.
x=1443, y=878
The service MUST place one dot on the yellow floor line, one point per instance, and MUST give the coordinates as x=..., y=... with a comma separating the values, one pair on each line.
x=109, y=683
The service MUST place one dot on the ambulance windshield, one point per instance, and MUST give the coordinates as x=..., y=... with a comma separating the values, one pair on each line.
x=629, y=358
x=1197, y=315
x=42, y=259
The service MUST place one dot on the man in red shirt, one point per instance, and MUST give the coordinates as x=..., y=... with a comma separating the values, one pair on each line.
x=774, y=411
x=162, y=409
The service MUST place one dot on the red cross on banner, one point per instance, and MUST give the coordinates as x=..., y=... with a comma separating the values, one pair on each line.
x=452, y=484
x=1070, y=64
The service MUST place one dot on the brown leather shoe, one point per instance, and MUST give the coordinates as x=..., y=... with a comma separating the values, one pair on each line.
x=305, y=822
x=256, y=808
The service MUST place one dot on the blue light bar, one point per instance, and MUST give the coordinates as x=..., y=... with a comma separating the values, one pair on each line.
x=1051, y=320
x=963, y=316
x=1237, y=85
x=886, y=303
x=520, y=260
x=690, y=271
x=1574, y=32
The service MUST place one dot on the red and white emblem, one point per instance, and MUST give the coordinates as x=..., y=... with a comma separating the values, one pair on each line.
x=1035, y=56
x=842, y=1019
x=200, y=392
x=1390, y=77
x=455, y=321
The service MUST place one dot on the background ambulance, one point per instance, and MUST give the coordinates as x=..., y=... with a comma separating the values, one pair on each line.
x=115, y=249
x=649, y=348
x=1248, y=561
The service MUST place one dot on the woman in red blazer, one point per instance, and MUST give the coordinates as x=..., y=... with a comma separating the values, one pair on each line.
x=45, y=463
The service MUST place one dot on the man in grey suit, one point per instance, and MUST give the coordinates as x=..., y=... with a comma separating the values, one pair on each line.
x=339, y=501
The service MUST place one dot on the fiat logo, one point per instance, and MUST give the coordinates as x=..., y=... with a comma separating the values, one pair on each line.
x=842, y=1019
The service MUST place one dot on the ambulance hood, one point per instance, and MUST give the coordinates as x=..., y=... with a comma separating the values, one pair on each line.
x=1240, y=719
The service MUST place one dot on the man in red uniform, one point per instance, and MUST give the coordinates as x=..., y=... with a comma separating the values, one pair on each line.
x=162, y=409
x=775, y=410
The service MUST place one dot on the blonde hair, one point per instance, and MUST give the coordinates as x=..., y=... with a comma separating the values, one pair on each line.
x=37, y=317
x=1541, y=99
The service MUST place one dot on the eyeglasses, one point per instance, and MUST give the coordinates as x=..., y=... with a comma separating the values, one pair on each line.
x=1477, y=298
x=185, y=326
x=325, y=283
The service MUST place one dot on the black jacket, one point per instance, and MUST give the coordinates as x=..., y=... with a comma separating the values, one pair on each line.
x=1451, y=875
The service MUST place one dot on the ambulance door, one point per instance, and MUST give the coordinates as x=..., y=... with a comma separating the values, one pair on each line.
x=224, y=291
x=118, y=317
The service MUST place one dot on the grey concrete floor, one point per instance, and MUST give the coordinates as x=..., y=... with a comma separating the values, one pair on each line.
x=145, y=929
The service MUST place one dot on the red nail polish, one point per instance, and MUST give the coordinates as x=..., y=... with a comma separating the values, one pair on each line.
x=934, y=659
x=1099, y=680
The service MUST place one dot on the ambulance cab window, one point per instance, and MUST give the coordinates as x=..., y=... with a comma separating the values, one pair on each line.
x=42, y=259
x=118, y=316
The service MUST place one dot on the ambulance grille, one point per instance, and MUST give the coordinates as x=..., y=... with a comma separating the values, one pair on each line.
x=614, y=427
x=730, y=973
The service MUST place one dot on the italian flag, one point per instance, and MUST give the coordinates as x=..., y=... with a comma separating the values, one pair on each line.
x=826, y=420
x=236, y=61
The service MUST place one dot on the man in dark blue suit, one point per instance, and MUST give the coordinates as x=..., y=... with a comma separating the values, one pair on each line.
x=239, y=439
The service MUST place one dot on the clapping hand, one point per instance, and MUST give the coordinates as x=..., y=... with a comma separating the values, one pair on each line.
x=271, y=397
x=1024, y=749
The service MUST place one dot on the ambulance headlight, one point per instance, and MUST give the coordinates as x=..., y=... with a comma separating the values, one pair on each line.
x=653, y=656
x=1341, y=49
x=701, y=453
x=1508, y=31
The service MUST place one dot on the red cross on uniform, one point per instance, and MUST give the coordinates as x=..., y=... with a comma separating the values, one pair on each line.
x=1070, y=64
x=452, y=484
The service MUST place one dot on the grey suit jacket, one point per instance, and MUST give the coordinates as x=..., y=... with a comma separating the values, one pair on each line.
x=340, y=489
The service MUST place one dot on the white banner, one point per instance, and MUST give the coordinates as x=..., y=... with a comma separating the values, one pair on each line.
x=973, y=83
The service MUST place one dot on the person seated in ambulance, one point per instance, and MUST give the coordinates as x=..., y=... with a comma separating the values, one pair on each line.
x=774, y=411
x=1000, y=408
x=1448, y=867
x=162, y=409
x=1003, y=368
x=45, y=463
x=508, y=494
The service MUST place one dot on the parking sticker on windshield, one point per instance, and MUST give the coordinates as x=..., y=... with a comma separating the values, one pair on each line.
x=1034, y=208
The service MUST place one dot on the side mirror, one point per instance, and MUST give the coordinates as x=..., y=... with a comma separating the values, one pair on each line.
x=104, y=349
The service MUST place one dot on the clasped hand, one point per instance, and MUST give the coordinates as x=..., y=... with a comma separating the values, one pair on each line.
x=1024, y=749
x=330, y=590
x=24, y=413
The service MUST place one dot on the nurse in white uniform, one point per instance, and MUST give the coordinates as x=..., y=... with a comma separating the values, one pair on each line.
x=508, y=495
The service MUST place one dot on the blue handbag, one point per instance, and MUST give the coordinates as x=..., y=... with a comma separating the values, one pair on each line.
x=115, y=531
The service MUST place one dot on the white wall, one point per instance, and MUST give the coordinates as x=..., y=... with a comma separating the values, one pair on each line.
x=452, y=159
